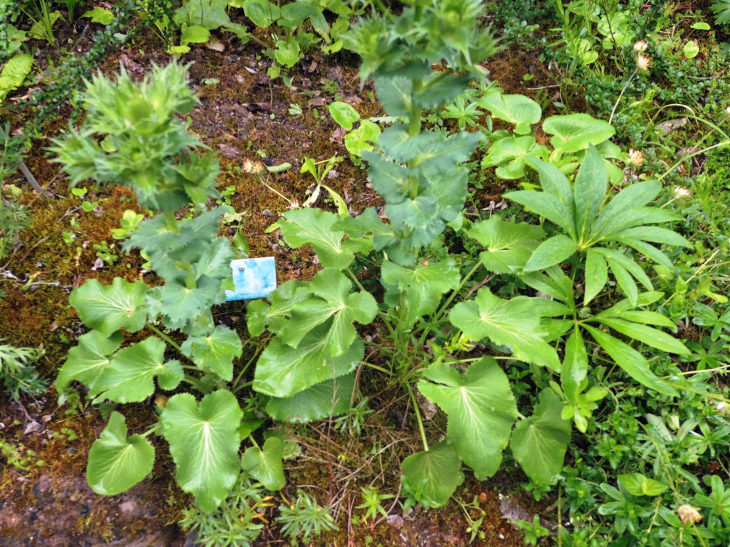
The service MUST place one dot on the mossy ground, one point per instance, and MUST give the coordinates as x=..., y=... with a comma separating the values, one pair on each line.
x=245, y=116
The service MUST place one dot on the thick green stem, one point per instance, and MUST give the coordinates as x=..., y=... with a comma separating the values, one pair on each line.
x=171, y=221
x=418, y=417
x=166, y=338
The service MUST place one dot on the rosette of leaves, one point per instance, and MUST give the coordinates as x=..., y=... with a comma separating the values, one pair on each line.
x=131, y=136
x=571, y=136
x=137, y=121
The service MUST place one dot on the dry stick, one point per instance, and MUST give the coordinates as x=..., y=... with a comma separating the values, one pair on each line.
x=31, y=179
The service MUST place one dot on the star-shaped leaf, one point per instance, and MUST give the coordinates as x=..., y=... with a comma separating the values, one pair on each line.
x=315, y=227
x=481, y=410
x=204, y=443
x=109, y=308
x=130, y=376
x=513, y=322
x=540, y=441
x=331, y=299
x=282, y=371
x=266, y=465
x=117, y=462
x=508, y=244
x=214, y=351
x=261, y=315
x=88, y=361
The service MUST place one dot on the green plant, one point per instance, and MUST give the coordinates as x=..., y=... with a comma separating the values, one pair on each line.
x=14, y=72
x=43, y=20
x=18, y=371
x=237, y=522
x=372, y=499
x=129, y=223
x=305, y=518
x=533, y=531
x=14, y=220
x=147, y=148
x=721, y=9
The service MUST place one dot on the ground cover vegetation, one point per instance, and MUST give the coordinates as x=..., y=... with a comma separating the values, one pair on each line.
x=531, y=298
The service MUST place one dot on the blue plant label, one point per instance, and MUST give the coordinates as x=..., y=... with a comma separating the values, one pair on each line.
x=253, y=278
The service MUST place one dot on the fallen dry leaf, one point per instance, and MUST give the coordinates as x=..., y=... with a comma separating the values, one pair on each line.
x=215, y=44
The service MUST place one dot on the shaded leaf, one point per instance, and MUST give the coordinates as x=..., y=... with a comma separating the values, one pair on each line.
x=432, y=476
x=109, y=308
x=329, y=398
x=266, y=465
x=508, y=244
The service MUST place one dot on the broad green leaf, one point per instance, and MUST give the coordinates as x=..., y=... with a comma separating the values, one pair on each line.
x=551, y=252
x=88, y=361
x=637, y=484
x=194, y=34
x=117, y=462
x=314, y=227
x=423, y=285
x=246, y=427
x=596, y=275
x=555, y=183
x=261, y=12
x=130, y=376
x=179, y=304
x=590, y=191
x=510, y=154
x=12, y=40
x=330, y=398
x=266, y=465
x=204, y=444
x=287, y=52
x=282, y=371
x=330, y=300
x=388, y=178
x=653, y=234
x=437, y=91
x=518, y=110
x=432, y=476
x=576, y=132
x=216, y=260
x=507, y=322
x=631, y=361
x=294, y=14
x=628, y=264
x=214, y=351
x=260, y=315
x=344, y=114
x=109, y=308
x=209, y=14
x=39, y=32
x=546, y=205
x=14, y=73
x=650, y=336
x=624, y=279
x=508, y=244
x=395, y=94
x=540, y=441
x=690, y=49
x=613, y=215
x=480, y=407
x=575, y=366
x=100, y=15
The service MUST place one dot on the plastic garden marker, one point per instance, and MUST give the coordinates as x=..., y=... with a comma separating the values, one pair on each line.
x=253, y=278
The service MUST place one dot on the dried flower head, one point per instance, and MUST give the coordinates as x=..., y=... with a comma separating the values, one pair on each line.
x=682, y=192
x=635, y=157
x=688, y=514
x=252, y=166
x=293, y=204
x=643, y=62
x=722, y=408
x=640, y=46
